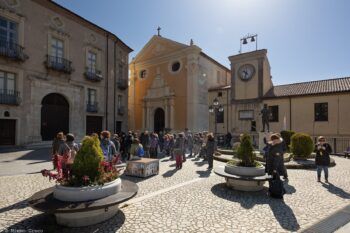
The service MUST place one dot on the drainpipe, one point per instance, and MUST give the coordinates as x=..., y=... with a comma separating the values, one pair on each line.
x=115, y=85
x=227, y=104
x=290, y=113
x=106, y=110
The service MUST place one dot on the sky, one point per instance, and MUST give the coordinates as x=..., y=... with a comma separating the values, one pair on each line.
x=306, y=39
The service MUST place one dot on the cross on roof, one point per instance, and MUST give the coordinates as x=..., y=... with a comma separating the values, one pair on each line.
x=158, y=29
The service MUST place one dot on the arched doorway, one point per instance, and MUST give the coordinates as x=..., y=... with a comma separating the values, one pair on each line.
x=54, y=116
x=159, y=120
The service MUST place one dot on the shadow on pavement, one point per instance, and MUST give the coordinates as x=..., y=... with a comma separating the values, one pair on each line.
x=169, y=173
x=47, y=223
x=39, y=154
x=282, y=212
x=19, y=205
x=203, y=174
x=336, y=190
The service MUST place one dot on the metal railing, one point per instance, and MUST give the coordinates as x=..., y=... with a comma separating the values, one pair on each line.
x=93, y=74
x=121, y=110
x=339, y=144
x=9, y=97
x=12, y=50
x=92, y=107
x=59, y=64
x=122, y=83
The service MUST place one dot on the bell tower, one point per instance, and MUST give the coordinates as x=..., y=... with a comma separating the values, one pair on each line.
x=250, y=76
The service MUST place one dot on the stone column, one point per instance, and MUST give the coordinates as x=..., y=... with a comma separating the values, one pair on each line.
x=165, y=104
x=172, y=114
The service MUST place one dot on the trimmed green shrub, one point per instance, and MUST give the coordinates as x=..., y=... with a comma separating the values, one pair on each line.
x=87, y=162
x=245, y=151
x=286, y=135
x=301, y=145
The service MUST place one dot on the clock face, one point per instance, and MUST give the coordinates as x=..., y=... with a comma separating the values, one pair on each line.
x=246, y=72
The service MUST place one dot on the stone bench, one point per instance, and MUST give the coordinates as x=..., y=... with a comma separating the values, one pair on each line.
x=243, y=183
x=143, y=167
x=74, y=214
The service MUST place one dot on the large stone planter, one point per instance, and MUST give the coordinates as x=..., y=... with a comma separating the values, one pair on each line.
x=244, y=178
x=79, y=194
x=245, y=171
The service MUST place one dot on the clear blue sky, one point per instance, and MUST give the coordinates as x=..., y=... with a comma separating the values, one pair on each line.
x=306, y=39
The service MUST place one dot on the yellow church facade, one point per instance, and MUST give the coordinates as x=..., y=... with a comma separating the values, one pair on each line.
x=169, y=84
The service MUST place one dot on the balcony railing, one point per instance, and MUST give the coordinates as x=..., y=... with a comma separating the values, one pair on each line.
x=9, y=97
x=121, y=111
x=122, y=83
x=12, y=50
x=93, y=74
x=92, y=107
x=59, y=64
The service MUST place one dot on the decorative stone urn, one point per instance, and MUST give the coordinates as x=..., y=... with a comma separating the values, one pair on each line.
x=86, y=193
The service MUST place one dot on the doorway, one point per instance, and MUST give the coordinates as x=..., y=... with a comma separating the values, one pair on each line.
x=159, y=120
x=54, y=116
x=7, y=132
x=93, y=125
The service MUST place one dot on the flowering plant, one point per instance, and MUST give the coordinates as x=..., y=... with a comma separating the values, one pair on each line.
x=87, y=169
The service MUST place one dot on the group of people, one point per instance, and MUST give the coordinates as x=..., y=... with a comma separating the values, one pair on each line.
x=174, y=146
x=133, y=145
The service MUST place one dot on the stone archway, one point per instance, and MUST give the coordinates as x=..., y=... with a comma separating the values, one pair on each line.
x=54, y=116
x=159, y=120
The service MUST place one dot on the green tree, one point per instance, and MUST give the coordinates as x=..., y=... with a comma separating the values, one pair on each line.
x=88, y=161
x=301, y=145
x=245, y=151
x=287, y=135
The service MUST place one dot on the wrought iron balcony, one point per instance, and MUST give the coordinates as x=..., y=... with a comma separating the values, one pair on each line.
x=12, y=50
x=59, y=64
x=122, y=83
x=121, y=110
x=93, y=74
x=92, y=107
x=9, y=97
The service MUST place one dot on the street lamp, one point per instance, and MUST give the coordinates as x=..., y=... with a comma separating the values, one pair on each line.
x=216, y=108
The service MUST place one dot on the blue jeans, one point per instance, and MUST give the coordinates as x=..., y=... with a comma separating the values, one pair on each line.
x=319, y=171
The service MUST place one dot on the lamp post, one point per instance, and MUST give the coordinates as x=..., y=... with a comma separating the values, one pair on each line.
x=215, y=108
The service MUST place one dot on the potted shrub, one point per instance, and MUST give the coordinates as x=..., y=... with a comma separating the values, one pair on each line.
x=301, y=146
x=247, y=166
x=89, y=178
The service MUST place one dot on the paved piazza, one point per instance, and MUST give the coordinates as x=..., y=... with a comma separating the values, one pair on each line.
x=190, y=200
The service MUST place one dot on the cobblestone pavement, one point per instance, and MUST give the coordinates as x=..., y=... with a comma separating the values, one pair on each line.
x=24, y=161
x=201, y=204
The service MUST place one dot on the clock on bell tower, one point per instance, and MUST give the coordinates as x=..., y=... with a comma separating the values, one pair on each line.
x=250, y=76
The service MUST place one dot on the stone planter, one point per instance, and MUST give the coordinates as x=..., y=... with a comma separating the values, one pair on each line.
x=245, y=171
x=245, y=178
x=79, y=194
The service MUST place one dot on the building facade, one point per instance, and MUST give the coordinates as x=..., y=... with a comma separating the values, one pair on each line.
x=58, y=72
x=169, y=84
x=315, y=107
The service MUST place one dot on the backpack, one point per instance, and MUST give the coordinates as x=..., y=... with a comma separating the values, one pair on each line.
x=276, y=187
x=140, y=152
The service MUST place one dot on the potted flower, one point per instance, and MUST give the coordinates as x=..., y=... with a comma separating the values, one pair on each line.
x=89, y=178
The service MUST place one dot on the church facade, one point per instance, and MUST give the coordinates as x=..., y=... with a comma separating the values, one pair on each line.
x=169, y=84
x=315, y=107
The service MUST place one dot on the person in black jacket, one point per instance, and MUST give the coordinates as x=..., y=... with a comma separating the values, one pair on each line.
x=274, y=158
x=322, y=149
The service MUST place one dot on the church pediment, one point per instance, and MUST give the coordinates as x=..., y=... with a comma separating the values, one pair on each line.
x=158, y=89
x=158, y=47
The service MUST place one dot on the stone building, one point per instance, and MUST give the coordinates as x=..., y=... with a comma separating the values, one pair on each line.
x=314, y=107
x=58, y=72
x=169, y=84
